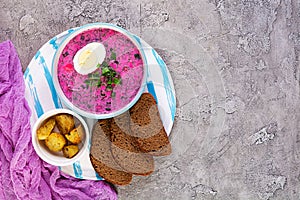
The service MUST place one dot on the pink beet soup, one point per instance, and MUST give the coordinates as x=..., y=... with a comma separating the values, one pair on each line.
x=113, y=84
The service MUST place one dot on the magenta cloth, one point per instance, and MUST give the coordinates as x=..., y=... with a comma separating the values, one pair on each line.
x=23, y=175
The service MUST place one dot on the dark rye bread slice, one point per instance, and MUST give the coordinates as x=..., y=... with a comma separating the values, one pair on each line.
x=102, y=158
x=125, y=150
x=109, y=174
x=147, y=126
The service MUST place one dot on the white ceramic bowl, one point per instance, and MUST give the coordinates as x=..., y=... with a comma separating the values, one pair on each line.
x=57, y=158
x=59, y=90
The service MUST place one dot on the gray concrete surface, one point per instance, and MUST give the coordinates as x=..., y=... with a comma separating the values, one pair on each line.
x=235, y=66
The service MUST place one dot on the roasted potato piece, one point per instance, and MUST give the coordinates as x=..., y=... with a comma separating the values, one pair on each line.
x=55, y=142
x=75, y=135
x=70, y=151
x=45, y=129
x=65, y=123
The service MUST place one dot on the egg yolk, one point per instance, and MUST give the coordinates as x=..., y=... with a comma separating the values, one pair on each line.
x=87, y=59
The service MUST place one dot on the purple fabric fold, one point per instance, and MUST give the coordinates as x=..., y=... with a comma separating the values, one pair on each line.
x=23, y=175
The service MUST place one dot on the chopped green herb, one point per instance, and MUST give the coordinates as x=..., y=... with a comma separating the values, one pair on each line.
x=96, y=75
x=109, y=81
x=98, y=65
x=105, y=70
x=98, y=83
x=117, y=81
x=113, y=94
x=90, y=82
x=87, y=81
x=106, y=77
x=109, y=88
x=105, y=64
x=92, y=76
x=113, y=55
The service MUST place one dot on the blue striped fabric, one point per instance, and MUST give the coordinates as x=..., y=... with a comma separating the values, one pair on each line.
x=41, y=95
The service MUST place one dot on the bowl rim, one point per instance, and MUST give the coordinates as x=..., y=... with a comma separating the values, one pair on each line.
x=52, y=159
x=59, y=50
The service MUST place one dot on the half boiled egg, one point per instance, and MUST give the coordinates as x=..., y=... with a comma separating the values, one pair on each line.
x=88, y=57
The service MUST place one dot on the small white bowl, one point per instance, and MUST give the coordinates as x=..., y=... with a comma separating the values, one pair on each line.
x=57, y=158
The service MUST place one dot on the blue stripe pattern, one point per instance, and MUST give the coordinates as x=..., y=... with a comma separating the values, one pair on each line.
x=151, y=90
x=37, y=104
x=37, y=55
x=98, y=177
x=137, y=39
x=167, y=85
x=53, y=43
x=48, y=77
x=89, y=144
x=77, y=170
x=26, y=73
x=71, y=30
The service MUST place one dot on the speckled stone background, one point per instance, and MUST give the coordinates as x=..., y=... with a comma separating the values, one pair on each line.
x=235, y=66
